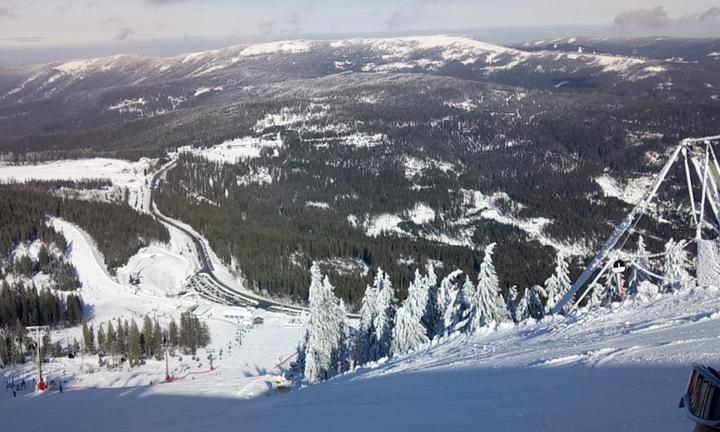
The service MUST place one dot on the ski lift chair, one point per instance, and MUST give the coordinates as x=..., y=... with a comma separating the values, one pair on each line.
x=702, y=398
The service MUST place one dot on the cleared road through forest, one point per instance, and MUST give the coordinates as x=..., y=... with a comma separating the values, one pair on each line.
x=206, y=266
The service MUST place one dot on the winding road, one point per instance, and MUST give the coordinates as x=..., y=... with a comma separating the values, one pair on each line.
x=206, y=267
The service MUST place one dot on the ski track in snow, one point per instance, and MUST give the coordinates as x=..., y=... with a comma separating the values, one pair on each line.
x=618, y=368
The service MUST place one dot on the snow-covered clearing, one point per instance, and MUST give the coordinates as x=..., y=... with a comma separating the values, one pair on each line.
x=133, y=176
x=235, y=150
x=631, y=192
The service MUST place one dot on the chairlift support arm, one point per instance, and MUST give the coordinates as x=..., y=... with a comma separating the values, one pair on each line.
x=621, y=229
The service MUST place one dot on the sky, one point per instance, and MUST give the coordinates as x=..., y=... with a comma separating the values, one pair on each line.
x=70, y=27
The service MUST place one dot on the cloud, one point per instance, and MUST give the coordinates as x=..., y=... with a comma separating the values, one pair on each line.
x=401, y=19
x=711, y=14
x=124, y=33
x=64, y=7
x=164, y=2
x=6, y=13
x=267, y=27
x=644, y=18
x=111, y=19
x=24, y=39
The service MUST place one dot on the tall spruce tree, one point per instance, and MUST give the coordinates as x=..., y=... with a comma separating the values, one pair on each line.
x=489, y=303
x=522, y=309
x=385, y=318
x=534, y=301
x=146, y=337
x=558, y=284
x=88, y=339
x=512, y=302
x=449, y=304
x=325, y=332
x=366, y=340
x=409, y=333
x=134, y=345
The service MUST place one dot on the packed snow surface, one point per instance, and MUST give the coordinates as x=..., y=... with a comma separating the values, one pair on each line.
x=620, y=368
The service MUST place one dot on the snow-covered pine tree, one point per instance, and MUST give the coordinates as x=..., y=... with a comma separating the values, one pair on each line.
x=385, y=318
x=489, y=304
x=432, y=315
x=511, y=303
x=611, y=289
x=595, y=297
x=558, y=284
x=647, y=290
x=409, y=334
x=325, y=352
x=675, y=266
x=467, y=295
x=449, y=303
x=341, y=356
x=366, y=336
x=314, y=293
x=522, y=309
x=637, y=276
x=534, y=296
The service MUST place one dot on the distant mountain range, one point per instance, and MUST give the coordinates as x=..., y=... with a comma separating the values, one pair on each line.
x=385, y=152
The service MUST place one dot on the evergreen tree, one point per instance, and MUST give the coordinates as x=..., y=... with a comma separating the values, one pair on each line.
x=675, y=266
x=534, y=296
x=468, y=296
x=385, y=318
x=134, y=345
x=409, y=334
x=122, y=334
x=432, y=314
x=326, y=331
x=511, y=303
x=43, y=258
x=449, y=302
x=111, y=344
x=156, y=339
x=489, y=304
x=641, y=261
x=173, y=336
x=522, y=309
x=558, y=284
x=365, y=341
x=88, y=338
x=596, y=296
x=647, y=290
x=100, y=339
x=612, y=289
x=146, y=337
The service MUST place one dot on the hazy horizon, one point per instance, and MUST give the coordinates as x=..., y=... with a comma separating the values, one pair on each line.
x=54, y=30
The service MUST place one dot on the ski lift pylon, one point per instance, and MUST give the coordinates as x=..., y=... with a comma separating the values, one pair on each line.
x=710, y=174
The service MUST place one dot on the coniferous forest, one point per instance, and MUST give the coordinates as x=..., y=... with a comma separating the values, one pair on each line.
x=118, y=230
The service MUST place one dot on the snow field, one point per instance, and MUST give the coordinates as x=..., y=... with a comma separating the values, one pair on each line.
x=135, y=176
x=618, y=368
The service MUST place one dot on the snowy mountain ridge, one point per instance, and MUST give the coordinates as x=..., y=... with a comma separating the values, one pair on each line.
x=386, y=54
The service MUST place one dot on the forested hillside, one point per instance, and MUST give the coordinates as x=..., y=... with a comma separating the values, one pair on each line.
x=117, y=230
x=378, y=153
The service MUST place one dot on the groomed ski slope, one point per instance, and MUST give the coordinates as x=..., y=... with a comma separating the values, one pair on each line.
x=610, y=370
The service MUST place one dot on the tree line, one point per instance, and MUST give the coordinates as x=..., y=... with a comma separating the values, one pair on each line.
x=435, y=308
x=136, y=344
